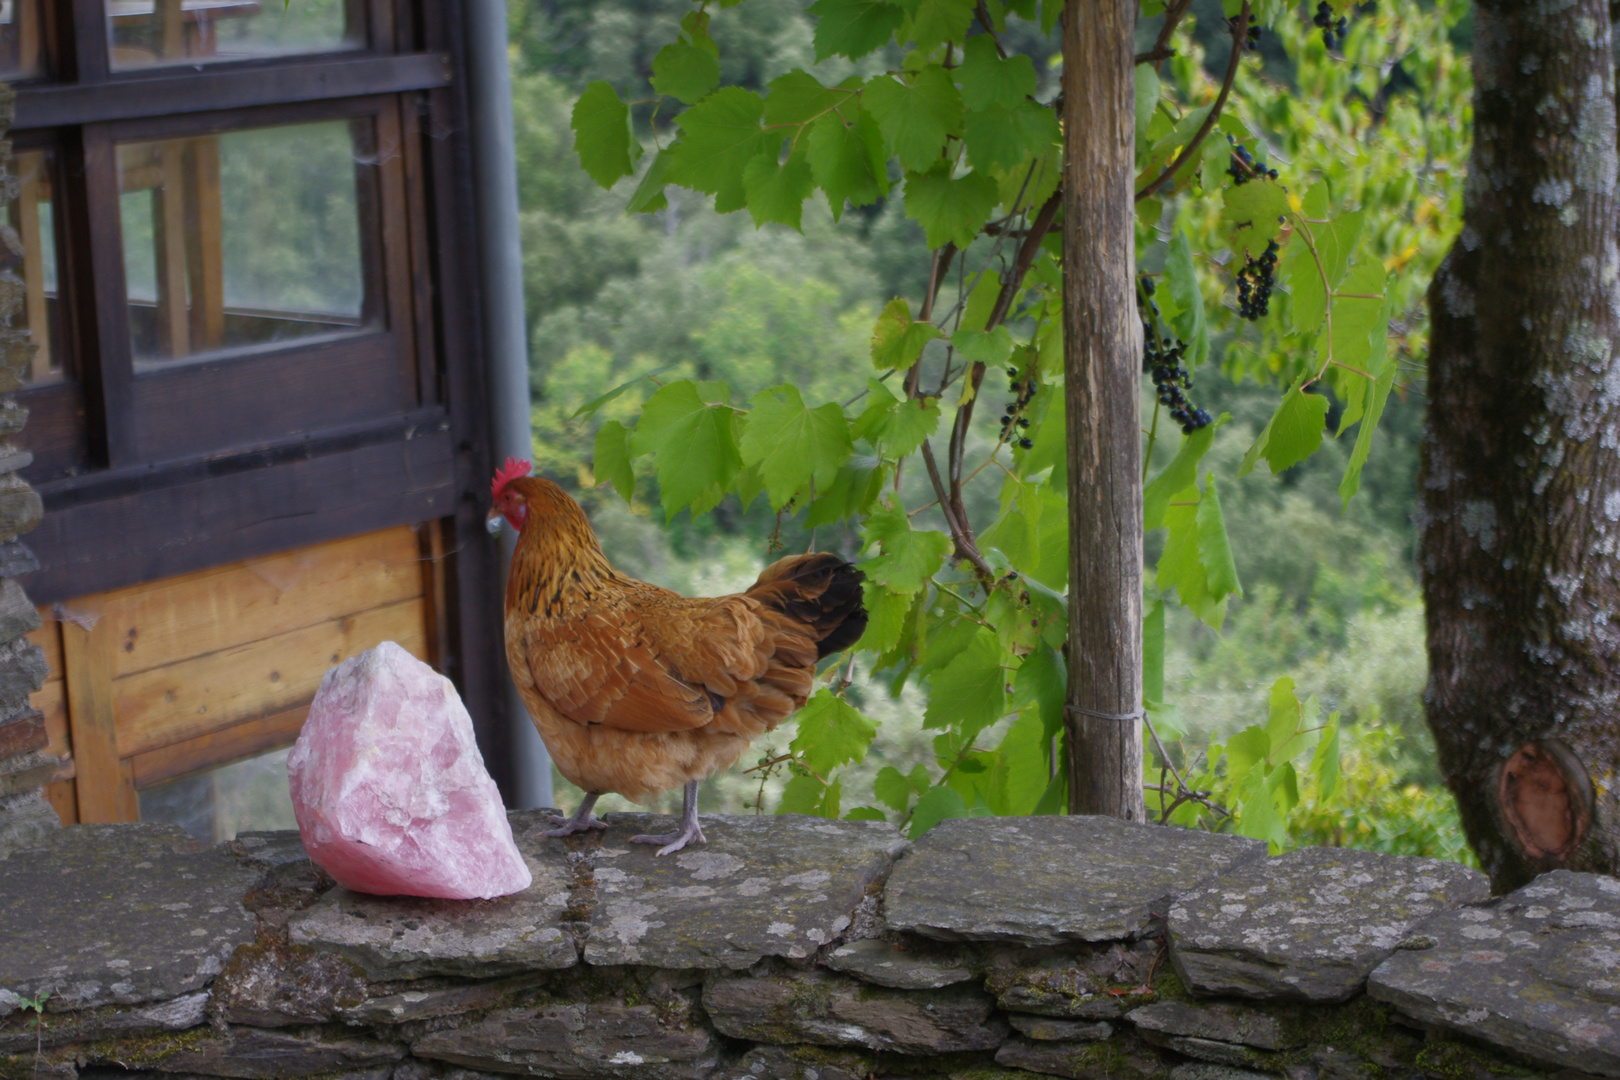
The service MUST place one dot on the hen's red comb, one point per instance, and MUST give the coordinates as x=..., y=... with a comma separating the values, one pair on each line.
x=506, y=474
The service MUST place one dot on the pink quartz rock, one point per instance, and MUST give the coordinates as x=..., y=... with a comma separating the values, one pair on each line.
x=390, y=790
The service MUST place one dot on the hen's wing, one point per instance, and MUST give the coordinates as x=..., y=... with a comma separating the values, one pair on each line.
x=605, y=668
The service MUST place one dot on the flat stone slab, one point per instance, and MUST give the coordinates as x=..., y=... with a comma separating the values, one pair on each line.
x=405, y=937
x=1115, y=1060
x=882, y=963
x=1309, y=925
x=1223, y=1023
x=833, y=1010
x=1048, y=880
x=1049, y=1029
x=252, y=1054
x=761, y=886
x=587, y=1041
x=1537, y=972
x=118, y=915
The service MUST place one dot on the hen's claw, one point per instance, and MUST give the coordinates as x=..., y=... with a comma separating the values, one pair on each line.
x=688, y=833
x=672, y=841
x=582, y=821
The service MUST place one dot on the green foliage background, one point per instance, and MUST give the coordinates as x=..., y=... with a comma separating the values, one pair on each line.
x=687, y=293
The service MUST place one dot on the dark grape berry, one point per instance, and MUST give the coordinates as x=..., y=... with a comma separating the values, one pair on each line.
x=1012, y=418
x=1333, y=30
x=1251, y=38
x=1255, y=281
x=1162, y=359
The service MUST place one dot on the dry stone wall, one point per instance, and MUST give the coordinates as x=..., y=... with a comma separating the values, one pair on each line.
x=804, y=949
x=24, y=767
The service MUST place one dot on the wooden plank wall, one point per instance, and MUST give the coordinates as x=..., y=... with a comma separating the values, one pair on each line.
x=161, y=680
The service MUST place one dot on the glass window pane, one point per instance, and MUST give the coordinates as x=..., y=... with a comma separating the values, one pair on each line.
x=22, y=39
x=31, y=215
x=153, y=33
x=216, y=805
x=250, y=238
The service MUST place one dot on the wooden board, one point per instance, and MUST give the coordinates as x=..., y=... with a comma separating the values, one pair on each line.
x=218, y=748
x=194, y=697
x=106, y=784
x=196, y=614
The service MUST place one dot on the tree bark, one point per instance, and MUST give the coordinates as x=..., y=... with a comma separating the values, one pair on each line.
x=1520, y=478
x=1103, y=357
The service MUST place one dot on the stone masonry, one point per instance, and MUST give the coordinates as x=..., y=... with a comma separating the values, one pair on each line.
x=795, y=948
x=24, y=769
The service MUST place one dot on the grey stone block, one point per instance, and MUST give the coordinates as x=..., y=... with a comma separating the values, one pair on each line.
x=23, y=670
x=785, y=1063
x=580, y=1040
x=16, y=559
x=12, y=417
x=1228, y=1023
x=1115, y=1060
x=833, y=1010
x=876, y=961
x=1047, y=880
x=1309, y=925
x=1201, y=1071
x=1537, y=972
x=88, y=1025
x=403, y=937
x=25, y=821
x=18, y=616
x=1050, y=1029
x=118, y=914
x=20, y=506
x=255, y=1054
x=761, y=886
x=27, y=773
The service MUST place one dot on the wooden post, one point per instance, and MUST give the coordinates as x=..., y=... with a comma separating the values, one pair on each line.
x=169, y=236
x=32, y=190
x=105, y=783
x=1103, y=356
x=205, y=243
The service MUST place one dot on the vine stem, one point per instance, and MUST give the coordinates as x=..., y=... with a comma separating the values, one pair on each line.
x=1161, y=45
x=1240, y=30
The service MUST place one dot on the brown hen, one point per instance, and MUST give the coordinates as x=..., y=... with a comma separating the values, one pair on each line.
x=636, y=689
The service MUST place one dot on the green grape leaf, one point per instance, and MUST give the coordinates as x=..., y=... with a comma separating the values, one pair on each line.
x=1357, y=304
x=897, y=341
x=1042, y=681
x=892, y=789
x=934, y=22
x=1022, y=188
x=986, y=79
x=1021, y=776
x=988, y=347
x=1181, y=567
x=1307, y=293
x=853, y=28
x=685, y=72
x=798, y=98
x=936, y=805
x=1008, y=136
x=793, y=444
x=802, y=795
x=1245, y=750
x=691, y=429
x=885, y=617
x=916, y=117
x=945, y=643
x=1214, y=158
x=850, y=493
x=601, y=126
x=776, y=192
x=1250, y=213
x=847, y=159
x=590, y=407
x=970, y=693
x=649, y=194
x=1292, y=434
x=611, y=460
x=866, y=813
x=1282, y=720
x=981, y=301
x=1336, y=240
x=1153, y=653
x=831, y=733
x=1181, y=473
x=909, y=556
x=1182, y=281
x=1148, y=90
x=720, y=135
x=950, y=210
x=903, y=425
x=1325, y=761
x=1214, y=549
x=1377, y=393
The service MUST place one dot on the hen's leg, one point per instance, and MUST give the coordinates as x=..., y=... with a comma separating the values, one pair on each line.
x=582, y=820
x=688, y=833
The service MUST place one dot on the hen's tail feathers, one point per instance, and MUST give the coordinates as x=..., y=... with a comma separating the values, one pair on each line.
x=820, y=591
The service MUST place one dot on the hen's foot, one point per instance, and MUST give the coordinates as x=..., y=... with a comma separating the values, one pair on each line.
x=582, y=821
x=689, y=833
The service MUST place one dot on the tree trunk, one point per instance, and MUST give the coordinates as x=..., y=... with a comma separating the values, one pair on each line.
x=1521, y=464
x=1103, y=358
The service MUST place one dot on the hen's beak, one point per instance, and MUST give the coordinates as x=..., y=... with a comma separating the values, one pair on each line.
x=494, y=523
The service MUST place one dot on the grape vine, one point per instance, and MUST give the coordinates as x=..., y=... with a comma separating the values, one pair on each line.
x=946, y=114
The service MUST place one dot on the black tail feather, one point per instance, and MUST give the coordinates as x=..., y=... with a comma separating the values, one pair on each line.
x=822, y=591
